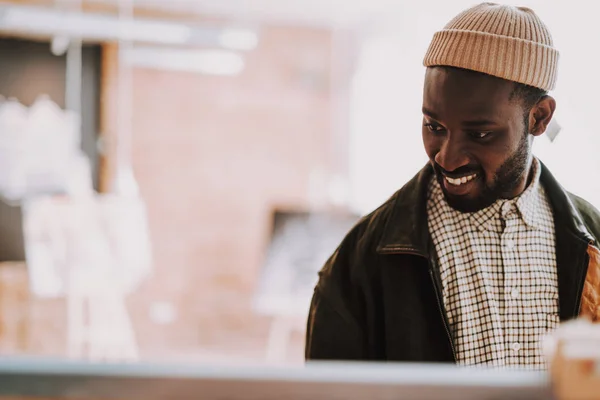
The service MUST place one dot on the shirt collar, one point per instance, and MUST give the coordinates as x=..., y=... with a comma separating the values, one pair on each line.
x=525, y=206
x=530, y=202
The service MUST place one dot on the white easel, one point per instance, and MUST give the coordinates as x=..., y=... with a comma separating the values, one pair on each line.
x=99, y=326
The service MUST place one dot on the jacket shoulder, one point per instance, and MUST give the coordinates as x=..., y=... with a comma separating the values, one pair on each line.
x=589, y=213
x=360, y=242
x=369, y=229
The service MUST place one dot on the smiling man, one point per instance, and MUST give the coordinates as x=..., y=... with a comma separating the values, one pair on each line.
x=483, y=252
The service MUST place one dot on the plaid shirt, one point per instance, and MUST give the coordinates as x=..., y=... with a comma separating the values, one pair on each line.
x=499, y=278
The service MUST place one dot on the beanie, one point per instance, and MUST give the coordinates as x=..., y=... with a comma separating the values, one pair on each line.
x=503, y=41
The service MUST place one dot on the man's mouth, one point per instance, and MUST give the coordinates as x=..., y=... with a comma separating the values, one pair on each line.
x=460, y=180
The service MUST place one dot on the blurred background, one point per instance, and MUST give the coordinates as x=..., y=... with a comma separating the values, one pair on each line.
x=173, y=174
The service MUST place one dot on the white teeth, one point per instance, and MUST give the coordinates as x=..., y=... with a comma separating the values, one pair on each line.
x=460, y=181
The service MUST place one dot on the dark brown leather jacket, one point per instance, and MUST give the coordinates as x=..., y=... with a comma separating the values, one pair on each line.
x=379, y=295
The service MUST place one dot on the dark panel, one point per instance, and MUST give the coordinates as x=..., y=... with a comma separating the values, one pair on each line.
x=12, y=246
x=28, y=69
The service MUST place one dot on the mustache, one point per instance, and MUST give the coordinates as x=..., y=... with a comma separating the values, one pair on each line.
x=457, y=173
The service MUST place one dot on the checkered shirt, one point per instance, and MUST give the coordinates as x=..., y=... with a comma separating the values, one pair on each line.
x=499, y=278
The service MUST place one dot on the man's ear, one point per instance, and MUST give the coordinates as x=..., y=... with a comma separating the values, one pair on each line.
x=541, y=115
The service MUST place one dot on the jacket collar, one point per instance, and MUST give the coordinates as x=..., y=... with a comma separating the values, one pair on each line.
x=406, y=230
x=566, y=216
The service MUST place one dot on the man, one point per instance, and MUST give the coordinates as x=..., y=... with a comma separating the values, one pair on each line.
x=483, y=252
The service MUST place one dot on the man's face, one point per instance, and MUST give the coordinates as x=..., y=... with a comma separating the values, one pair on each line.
x=475, y=136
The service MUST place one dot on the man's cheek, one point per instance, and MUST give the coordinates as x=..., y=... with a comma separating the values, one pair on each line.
x=490, y=177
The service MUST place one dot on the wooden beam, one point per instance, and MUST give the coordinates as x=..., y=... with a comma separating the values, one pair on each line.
x=108, y=116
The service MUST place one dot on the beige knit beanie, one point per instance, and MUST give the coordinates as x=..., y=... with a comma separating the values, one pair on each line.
x=504, y=41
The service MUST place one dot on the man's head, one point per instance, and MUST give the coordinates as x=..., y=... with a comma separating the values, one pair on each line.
x=485, y=98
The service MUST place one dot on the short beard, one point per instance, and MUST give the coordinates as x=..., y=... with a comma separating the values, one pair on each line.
x=506, y=179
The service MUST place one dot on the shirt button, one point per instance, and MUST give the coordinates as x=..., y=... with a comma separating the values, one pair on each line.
x=510, y=244
x=514, y=293
x=516, y=346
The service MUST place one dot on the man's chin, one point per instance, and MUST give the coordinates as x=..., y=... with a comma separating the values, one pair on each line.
x=466, y=204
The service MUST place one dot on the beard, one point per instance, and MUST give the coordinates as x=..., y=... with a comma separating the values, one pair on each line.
x=505, y=181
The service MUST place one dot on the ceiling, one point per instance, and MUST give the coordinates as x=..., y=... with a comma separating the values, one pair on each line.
x=290, y=12
x=297, y=12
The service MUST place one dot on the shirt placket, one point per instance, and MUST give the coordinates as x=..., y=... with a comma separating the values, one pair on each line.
x=512, y=316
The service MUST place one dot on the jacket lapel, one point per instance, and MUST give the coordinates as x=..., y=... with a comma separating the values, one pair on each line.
x=406, y=230
x=572, y=241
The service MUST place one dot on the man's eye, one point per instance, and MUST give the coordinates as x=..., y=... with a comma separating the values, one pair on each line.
x=434, y=128
x=480, y=135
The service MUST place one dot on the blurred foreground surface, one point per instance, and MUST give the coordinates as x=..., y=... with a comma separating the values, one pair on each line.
x=316, y=381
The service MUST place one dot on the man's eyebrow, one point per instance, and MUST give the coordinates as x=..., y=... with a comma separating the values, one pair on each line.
x=478, y=122
x=470, y=124
x=429, y=113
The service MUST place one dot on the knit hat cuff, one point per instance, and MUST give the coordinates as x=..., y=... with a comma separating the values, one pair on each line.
x=514, y=59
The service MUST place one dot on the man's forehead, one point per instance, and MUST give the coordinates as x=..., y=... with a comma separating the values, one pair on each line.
x=466, y=80
x=476, y=92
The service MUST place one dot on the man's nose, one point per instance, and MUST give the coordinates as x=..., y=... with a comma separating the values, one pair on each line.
x=452, y=154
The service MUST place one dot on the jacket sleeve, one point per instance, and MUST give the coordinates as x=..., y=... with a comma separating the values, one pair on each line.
x=333, y=328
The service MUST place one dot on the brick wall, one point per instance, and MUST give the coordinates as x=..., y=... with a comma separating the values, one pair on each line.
x=213, y=156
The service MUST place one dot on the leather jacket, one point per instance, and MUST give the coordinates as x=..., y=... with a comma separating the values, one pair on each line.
x=379, y=294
